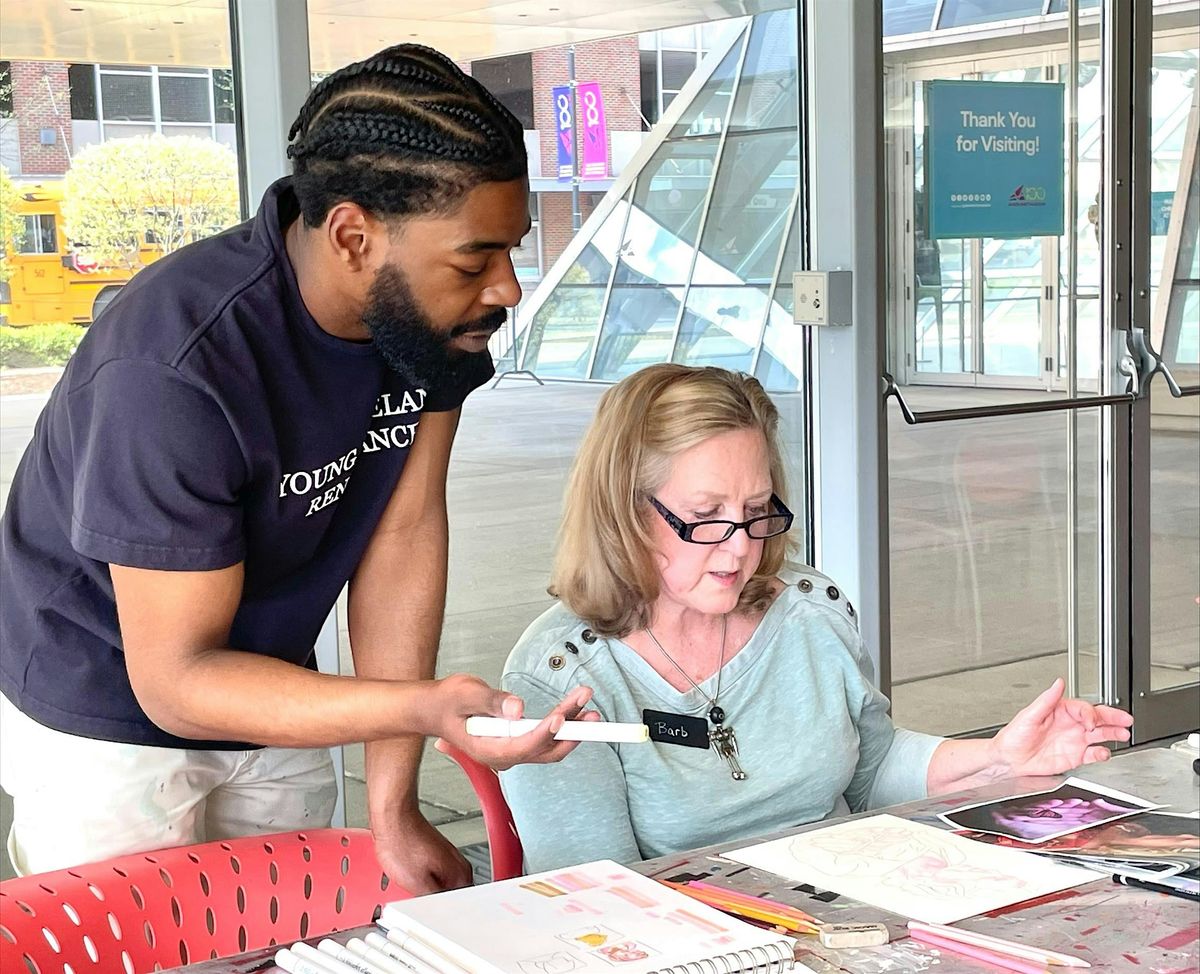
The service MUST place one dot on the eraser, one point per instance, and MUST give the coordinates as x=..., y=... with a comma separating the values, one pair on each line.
x=853, y=934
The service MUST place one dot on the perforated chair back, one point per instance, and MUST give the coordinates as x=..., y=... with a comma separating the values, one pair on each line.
x=161, y=909
x=504, y=845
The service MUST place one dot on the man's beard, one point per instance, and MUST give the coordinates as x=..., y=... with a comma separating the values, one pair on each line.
x=408, y=341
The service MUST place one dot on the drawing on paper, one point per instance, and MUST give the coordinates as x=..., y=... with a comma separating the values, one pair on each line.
x=900, y=858
x=559, y=962
x=591, y=937
x=625, y=952
x=910, y=869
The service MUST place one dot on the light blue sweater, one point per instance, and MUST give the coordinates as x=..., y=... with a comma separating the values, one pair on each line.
x=814, y=735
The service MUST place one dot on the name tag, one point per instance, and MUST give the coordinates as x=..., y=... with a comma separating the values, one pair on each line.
x=676, y=728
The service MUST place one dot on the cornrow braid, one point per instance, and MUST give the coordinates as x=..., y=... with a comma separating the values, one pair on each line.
x=404, y=131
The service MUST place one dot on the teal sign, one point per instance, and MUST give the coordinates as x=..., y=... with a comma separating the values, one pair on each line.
x=994, y=159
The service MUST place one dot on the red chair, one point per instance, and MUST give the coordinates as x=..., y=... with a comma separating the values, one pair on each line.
x=504, y=845
x=161, y=909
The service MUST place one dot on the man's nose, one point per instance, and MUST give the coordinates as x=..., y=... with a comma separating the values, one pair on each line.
x=505, y=291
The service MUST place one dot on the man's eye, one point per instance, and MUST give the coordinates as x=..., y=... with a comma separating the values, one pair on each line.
x=470, y=271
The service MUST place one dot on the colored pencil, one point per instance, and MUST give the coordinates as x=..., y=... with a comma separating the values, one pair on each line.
x=747, y=911
x=1039, y=954
x=759, y=901
x=1007, y=961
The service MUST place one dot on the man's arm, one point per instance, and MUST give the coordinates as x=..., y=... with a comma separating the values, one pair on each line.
x=397, y=601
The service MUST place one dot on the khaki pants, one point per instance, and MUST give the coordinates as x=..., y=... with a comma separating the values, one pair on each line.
x=76, y=800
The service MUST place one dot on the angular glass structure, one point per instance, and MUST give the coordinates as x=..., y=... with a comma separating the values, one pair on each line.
x=689, y=257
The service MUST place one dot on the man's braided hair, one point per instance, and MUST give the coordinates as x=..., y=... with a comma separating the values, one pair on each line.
x=403, y=132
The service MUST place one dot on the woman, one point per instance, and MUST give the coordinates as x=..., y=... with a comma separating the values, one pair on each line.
x=674, y=598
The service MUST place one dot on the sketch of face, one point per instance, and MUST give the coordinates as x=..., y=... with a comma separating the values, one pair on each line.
x=624, y=953
x=1052, y=815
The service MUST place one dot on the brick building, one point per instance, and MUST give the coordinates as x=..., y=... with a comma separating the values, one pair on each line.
x=57, y=108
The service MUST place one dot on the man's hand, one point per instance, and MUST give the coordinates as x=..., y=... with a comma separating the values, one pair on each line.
x=461, y=696
x=418, y=857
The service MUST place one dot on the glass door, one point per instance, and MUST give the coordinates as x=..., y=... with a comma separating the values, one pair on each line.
x=1165, y=466
x=979, y=311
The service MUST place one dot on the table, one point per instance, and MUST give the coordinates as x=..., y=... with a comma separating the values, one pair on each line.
x=1116, y=928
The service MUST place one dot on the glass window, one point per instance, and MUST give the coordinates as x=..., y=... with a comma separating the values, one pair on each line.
x=6, y=102
x=961, y=13
x=222, y=84
x=721, y=326
x=639, y=326
x=648, y=74
x=714, y=34
x=1060, y=6
x=706, y=115
x=767, y=96
x=908, y=16
x=563, y=330
x=750, y=208
x=127, y=98
x=781, y=362
x=673, y=186
x=677, y=67
x=39, y=235
x=82, y=79
x=183, y=99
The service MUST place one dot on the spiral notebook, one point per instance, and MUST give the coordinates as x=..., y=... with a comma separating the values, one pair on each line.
x=598, y=918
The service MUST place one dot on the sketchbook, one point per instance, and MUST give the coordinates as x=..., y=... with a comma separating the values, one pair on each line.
x=597, y=918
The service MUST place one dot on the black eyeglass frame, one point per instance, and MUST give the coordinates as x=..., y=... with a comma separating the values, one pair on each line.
x=685, y=529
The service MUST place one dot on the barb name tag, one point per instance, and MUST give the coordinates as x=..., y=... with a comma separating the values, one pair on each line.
x=666, y=728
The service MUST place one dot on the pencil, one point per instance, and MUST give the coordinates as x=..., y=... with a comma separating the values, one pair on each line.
x=1006, y=961
x=756, y=901
x=744, y=910
x=1039, y=954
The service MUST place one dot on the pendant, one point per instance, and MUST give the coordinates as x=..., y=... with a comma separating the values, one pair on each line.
x=716, y=715
x=724, y=741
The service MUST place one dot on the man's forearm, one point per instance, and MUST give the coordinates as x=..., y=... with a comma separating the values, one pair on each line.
x=396, y=638
x=234, y=695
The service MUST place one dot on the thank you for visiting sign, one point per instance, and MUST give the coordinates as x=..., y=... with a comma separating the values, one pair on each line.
x=595, y=134
x=994, y=158
x=562, y=128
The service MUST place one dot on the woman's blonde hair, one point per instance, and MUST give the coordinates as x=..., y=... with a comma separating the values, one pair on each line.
x=604, y=570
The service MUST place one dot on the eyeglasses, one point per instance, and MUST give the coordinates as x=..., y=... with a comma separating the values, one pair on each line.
x=714, y=532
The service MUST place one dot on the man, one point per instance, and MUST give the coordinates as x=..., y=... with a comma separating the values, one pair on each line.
x=235, y=439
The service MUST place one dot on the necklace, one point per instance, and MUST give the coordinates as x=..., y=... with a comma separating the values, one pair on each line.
x=721, y=737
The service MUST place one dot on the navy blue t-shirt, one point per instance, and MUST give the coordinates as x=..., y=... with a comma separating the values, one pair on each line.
x=206, y=419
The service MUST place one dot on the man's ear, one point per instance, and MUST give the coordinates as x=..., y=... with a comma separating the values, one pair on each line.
x=357, y=239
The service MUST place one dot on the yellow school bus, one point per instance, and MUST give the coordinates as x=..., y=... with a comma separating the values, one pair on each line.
x=51, y=280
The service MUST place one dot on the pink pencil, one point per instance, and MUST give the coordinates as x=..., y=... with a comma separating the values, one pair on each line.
x=987, y=956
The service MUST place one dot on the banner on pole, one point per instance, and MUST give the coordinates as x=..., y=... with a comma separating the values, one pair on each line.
x=595, y=133
x=994, y=152
x=562, y=127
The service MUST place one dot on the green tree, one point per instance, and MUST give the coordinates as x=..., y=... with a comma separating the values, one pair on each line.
x=12, y=224
x=150, y=189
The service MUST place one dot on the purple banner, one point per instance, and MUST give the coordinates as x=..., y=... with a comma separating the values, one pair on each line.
x=595, y=134
x=562, y=131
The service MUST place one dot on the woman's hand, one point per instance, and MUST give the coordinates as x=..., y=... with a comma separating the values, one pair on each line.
x=1056, y=733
